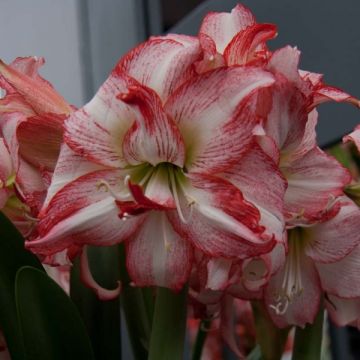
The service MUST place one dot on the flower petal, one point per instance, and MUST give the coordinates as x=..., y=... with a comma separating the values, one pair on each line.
x=48, y=131
x=262, y=185
x=303, y=307
x=157, y=255
x=6, y=167
x=219, y=221
x=83, y=213
x=354, y=136
x=342, y=311
x=339, y=278
x=332, y=240
x=154, y=137
x=23, y=77
x=96, y=130
x=222, y=27
x=313, y=182
x=244, y=46
x=162, y=63
x=216, y=114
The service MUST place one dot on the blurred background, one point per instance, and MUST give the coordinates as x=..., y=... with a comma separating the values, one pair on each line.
x=82, y=40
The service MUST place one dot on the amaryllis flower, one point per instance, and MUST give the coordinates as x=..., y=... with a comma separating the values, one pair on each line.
x=155, y=158
x=322, y=260
x=31, y=109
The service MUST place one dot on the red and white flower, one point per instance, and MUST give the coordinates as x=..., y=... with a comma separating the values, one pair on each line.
x=158, y=159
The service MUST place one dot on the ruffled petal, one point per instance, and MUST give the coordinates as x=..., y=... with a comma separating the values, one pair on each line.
x=154, y=137
x=340, y=278
x=332, y=240
x=216, y=114
x=96, y=131
x=262, y=184
x=23, y=77
x=313, y=182
x=218, y=220
x=249, y=44
x=222, y=27
x=162, y=63
x=157, y=255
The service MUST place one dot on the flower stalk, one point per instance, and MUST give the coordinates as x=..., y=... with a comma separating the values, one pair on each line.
x=168, y=331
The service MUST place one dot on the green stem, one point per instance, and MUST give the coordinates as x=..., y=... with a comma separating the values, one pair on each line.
x=270, y=338
x=137, y=305
x=200, y=339
x=168, y=332
x=307, y=344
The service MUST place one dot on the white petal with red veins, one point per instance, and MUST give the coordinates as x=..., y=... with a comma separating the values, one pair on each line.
x=157, y=255
x=222, y=27
x=340, y=278
x=332, y=240
x=216, y=114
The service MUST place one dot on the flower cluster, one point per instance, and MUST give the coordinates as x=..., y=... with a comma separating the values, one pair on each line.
x=200, y=155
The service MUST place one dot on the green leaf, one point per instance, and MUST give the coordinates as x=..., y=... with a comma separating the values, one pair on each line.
x=307, y=345
x=270, y=338
x=101, y=318
x=50, y=323
x=12, y=257
x=168, y=331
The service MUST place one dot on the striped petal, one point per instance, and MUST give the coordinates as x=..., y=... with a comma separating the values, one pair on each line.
x=222, y=27
x=154, y=137
x=216, y=115
x=157, y=255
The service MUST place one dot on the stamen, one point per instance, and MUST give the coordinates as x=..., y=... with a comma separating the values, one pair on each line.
x=291, y=286
x=103, y=184
x=176, y=197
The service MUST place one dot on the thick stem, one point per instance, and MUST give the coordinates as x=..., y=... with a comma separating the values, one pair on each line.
x=271, y=339
x=307, y=344
x=200, y=339
x=168, y=331
x=137, y=305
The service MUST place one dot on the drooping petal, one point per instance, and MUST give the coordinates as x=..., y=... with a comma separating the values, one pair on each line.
x=263, y=185
x=244, y=46
x=154, y=137
x=23, y=77
x=157, y=255
x=302, y=309
x=96, y=130
x=332, y=240
x=218, y=220
x=313, y=182
x=40, y=139
x=162, y=63
x=14, y=102
x=340, y=278
x=216, y=114
x=222, y=27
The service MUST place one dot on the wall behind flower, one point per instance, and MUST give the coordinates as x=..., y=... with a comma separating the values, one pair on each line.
x=80, y=39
